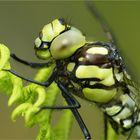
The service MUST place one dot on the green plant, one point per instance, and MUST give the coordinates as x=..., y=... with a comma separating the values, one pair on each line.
x=30, y=98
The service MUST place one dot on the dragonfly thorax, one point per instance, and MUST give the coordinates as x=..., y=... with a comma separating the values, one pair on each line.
x=95, y=74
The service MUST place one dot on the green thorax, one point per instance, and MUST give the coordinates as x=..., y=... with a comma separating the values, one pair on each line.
x=92, y=73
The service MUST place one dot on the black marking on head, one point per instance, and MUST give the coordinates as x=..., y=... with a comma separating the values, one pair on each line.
x=62, y=21
x=65, y=23
x=41, y=47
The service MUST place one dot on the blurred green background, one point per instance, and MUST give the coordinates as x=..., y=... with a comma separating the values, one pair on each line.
x=20, y=23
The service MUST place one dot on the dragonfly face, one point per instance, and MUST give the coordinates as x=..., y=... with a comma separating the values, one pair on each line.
x=58, y=40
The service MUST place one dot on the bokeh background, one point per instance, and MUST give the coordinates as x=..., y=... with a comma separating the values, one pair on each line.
x=20, y=23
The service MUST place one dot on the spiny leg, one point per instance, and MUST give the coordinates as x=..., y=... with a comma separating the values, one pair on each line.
x=46, y=83
x=75, y=104
x=107, y=30
x=75, y=112
x=31, y=64
x=59, y=107
x=67, y=95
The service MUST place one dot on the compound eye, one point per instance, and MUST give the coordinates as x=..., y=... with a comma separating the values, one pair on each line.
x=37, y=42
x=66, y=44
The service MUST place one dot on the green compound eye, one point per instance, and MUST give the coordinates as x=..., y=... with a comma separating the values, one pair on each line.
x=67, y=43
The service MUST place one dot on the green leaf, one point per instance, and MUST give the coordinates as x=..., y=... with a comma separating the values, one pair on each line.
x=17, y=93
x=4, y=57
x=63, y=128
x=112, y=135
x=20, y=110
x=31, y=98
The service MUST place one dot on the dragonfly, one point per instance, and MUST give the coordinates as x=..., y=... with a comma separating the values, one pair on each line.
x=92, y=70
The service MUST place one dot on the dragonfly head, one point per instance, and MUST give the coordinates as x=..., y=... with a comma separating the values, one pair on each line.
x=58, y=40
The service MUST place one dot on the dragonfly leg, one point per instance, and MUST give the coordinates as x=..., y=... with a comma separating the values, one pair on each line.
x=31, y=64
x=46, y=83
x=75, y=112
